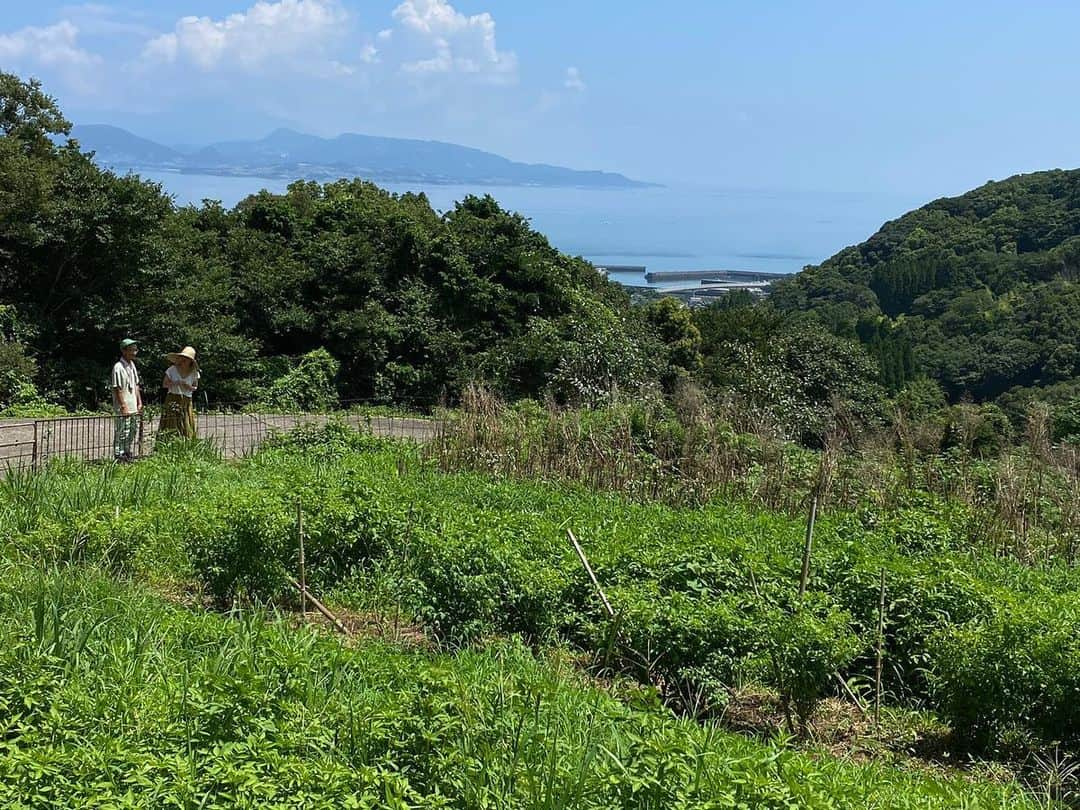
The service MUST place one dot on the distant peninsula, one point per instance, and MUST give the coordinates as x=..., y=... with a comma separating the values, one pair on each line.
x=289, y=154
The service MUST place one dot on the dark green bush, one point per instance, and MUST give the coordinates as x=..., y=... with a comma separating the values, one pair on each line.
x=1012, y=681
x=241, y=545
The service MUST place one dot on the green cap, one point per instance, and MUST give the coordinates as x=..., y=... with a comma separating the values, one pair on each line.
x=127, y=342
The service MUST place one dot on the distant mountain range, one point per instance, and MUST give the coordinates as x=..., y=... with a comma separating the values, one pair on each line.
x=288, y=154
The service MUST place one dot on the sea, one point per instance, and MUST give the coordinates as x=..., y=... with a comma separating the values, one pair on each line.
x=675, y=227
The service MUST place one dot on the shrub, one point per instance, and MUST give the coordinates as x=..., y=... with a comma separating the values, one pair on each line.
x=240, y=545
x=802, y=652
x=1013, y=680
x=19, y=397
x=1067, y=422
x=329, y=440
x=310, y=386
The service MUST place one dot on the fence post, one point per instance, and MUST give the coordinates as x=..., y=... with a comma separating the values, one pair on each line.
x=303, y=572
x=592, y=576
x=804, y=575
x=34, y=450
x=880, y=651
x=142, y=421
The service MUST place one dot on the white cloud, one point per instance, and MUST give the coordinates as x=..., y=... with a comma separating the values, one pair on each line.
x=430, y=45
x=297, y=30
x=573, y=80
x=438, y=39
x=414, y=69
x=54, y=48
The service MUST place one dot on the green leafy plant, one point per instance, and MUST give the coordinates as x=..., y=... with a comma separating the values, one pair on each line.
x=310, y=386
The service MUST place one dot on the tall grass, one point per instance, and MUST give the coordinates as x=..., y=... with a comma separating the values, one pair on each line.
x=1024, y=504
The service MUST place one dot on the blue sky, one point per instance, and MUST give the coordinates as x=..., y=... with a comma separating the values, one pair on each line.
x=924, y=97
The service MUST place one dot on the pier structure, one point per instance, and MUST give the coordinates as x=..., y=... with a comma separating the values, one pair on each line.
x=695, y=287
x=711, y=276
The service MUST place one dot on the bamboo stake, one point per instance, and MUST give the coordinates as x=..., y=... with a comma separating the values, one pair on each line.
x=303, y=572
x=319, y=606
x=592, y=576
x=851, y=695
x=804, y=577
x=753, y=583
x=880, y=651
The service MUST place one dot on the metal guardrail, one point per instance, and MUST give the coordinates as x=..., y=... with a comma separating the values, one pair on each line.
x=30, y=444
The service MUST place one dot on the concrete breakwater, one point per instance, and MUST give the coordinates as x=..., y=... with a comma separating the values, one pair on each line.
x=717, y=276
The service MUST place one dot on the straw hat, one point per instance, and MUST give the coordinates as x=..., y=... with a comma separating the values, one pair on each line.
x=187, y=351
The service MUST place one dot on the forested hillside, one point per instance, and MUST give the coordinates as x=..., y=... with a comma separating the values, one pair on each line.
x=979, y=291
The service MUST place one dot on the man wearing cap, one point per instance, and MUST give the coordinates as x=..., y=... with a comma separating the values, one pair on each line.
x=127, y=401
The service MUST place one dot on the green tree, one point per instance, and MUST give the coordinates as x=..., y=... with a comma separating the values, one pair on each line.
x=28, y=116
x=679, y=340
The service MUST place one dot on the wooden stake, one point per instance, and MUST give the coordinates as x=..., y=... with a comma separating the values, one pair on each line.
x=808, y=547
x=753, y=583
x=303, y=572
x=851, y=695
x=880, y=651
x=319, y=606
x=592, y=576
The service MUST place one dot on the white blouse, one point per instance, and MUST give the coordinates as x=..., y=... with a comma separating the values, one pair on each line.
x=179, y=384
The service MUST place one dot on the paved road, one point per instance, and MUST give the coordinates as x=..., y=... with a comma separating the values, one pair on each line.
x=22, y=441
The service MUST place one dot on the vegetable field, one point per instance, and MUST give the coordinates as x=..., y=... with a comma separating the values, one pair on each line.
x=115, y=695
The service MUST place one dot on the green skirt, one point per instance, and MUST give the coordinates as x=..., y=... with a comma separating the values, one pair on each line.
x=178, y=416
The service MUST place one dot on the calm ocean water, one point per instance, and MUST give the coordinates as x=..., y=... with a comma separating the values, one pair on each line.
x=673, y=228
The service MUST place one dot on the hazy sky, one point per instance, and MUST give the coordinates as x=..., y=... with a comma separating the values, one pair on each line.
x=914, y=96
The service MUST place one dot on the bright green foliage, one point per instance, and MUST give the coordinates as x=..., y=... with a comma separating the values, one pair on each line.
x=310, y=386
x=803, y=653
x=112, y=698
x=1013, y=678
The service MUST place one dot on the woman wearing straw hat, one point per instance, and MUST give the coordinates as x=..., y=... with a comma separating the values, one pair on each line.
x=181, y=381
